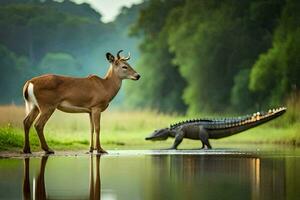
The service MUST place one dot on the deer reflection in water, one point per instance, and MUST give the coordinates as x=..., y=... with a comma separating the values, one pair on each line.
x=95, y=187
x=40, y=191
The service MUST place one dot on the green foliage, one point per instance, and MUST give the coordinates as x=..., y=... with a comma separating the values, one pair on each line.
x=39, y=29
x=230, y=55
x=57, y=62
x=161, y=84
x=196, y=56
x=276, y=73
x=209, y=40
x=241, y=97
x=12, y=73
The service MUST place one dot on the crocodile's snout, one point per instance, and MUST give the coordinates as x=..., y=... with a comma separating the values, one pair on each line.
x=147, y=138
x=161, y=134
x=150, y=137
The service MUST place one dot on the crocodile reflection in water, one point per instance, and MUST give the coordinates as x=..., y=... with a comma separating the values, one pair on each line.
x=247, y=176
x=39, y=186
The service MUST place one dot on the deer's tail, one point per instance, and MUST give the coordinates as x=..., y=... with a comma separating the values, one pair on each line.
x=29, y=97
x=26, y=98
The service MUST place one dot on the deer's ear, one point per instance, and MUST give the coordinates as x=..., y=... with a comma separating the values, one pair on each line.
x=110, y=57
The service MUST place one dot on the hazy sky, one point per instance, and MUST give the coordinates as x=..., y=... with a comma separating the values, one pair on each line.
x=109, y=8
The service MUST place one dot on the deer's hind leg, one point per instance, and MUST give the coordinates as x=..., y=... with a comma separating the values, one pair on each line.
x=45, y=114
x=27, y=122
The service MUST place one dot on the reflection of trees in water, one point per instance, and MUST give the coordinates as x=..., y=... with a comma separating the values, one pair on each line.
x=40, y=189
x=212, y=176
x=273, y=178
x=292, y=177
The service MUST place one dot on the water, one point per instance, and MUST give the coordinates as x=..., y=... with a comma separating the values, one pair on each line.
x=218, y=174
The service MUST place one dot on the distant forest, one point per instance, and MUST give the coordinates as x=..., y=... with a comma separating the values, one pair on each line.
x=194, y=56
x=217, y=56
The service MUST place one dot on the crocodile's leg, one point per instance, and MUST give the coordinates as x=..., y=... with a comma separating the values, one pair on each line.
x=203, y=136
x=178, y=139
x=203, y=146
x=208, y=144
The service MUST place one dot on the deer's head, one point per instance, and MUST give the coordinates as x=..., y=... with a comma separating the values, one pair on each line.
x=121, y=67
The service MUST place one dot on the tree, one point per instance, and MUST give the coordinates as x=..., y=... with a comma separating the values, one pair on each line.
x=213, y=42
x=12, y=76
x=161, y=84
x=276, y=73
x=57, y=63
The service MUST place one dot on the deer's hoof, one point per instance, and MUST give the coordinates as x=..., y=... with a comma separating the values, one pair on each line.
x=27, y=150
x=49, y=151
x=91, y=150
x=101, y=151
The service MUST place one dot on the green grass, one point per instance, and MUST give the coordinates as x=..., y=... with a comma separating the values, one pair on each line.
x=127, y=130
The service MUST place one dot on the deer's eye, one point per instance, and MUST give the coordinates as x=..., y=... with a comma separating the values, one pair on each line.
x=124, y=67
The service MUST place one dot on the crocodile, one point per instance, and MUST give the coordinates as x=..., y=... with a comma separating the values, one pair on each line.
x=205, y=129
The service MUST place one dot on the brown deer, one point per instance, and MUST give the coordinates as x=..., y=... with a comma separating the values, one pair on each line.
x=91, y=95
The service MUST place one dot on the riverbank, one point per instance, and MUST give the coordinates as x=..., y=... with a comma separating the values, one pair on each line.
x=127, y=130
x=11, y=138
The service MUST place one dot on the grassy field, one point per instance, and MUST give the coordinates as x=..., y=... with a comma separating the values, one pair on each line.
x=127, y=130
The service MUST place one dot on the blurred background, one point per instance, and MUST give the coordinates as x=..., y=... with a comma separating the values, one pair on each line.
x=195, y=56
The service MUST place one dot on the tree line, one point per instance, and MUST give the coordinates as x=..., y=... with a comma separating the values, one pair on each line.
x=216, y=56
x=194, y=56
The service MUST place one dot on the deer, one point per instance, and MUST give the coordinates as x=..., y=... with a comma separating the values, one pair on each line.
x=46, y=93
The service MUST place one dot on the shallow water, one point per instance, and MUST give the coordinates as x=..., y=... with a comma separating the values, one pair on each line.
x=217, y=174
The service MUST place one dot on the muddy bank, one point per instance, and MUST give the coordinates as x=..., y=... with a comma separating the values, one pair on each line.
x=217, y=152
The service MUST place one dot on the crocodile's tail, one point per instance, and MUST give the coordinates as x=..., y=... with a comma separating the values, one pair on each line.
x=220, y=129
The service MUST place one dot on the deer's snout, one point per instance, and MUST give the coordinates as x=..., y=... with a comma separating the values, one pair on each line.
x=137, y=76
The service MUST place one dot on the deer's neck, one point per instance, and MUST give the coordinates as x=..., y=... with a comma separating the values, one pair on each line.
x=112, y=83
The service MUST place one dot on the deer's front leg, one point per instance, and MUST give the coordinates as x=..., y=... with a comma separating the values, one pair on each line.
x=92, y=133
x=96, y=115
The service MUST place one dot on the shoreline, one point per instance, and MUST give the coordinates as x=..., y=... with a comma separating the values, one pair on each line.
x=235, y=148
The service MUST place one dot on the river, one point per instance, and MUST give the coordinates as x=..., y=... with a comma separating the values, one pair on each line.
x=129, y=175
